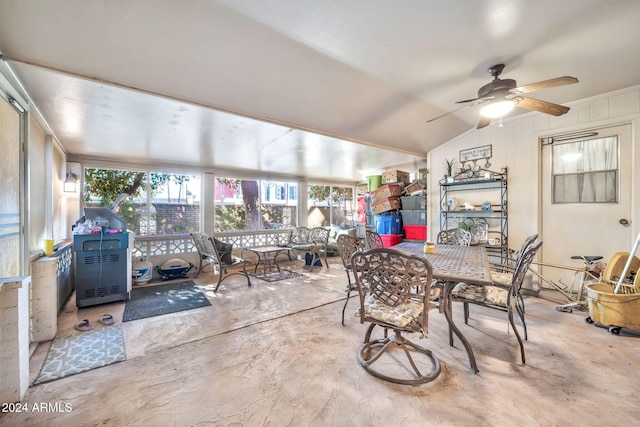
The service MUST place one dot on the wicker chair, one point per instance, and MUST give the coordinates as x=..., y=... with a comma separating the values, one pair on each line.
x=222, y=259
x=347, y=246
x=396, y=293
x=374, y=240
x=497, y=296
x=454, y=236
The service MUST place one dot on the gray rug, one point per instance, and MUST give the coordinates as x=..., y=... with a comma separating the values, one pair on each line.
x=157, y=300
x=82, y=352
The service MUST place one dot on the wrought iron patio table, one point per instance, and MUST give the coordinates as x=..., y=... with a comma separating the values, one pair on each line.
x=451, y=265
x=267, y=259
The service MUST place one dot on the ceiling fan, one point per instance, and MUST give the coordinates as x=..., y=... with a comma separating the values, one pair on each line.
x=501, y=95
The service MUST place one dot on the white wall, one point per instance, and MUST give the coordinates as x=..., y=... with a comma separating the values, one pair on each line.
x=516, y=146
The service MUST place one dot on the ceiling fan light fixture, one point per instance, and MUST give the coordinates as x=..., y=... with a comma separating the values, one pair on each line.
x=497, y=109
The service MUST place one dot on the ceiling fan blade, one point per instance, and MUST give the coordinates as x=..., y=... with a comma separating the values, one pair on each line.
x=480, y=101
x=541, y=106
x=450, y=112
x=484, y=99
x=484, y=122
x=558, y=81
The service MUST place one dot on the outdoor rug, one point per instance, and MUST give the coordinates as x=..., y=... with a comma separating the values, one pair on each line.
x=277, y=276
x=82, y=352
x=157, y=300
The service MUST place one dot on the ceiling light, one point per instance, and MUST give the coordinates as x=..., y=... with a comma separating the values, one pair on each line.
x=497, y=109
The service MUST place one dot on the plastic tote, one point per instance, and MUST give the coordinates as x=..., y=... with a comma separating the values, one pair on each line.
x=374, y=182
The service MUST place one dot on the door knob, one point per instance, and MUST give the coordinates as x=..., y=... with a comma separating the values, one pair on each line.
x=624, y=221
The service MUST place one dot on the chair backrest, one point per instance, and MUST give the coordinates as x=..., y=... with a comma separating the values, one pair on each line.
x=522, y=266
x=373, y=239
x=454, y=236
x=203, y=245
x=299, y=236
x=525, y=244
x=347, y=246
x=393, y=278
x=319, y=235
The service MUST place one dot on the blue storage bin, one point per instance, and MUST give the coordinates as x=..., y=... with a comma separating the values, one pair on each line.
x=388, y=224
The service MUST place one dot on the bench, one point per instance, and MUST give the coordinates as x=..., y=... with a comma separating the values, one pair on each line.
x=312, y=240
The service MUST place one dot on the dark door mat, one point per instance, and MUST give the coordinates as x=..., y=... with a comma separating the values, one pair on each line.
x=157, y=300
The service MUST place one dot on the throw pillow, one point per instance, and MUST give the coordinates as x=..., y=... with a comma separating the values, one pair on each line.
x=224, y=250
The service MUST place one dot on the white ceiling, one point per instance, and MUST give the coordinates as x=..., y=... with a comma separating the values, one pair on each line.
x=154, y=81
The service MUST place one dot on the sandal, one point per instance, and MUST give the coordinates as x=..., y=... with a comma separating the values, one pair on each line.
x=107, y=319
x=84, y=325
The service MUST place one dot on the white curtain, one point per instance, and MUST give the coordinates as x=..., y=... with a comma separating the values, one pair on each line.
x=585, y=171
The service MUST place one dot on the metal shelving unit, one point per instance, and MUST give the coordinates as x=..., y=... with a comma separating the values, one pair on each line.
x=473, y=184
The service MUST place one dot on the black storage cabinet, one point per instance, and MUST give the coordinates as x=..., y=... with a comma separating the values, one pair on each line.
x=102, y=267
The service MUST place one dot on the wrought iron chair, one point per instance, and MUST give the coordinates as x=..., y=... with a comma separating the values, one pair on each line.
x=347, y=246
x=297, y=236
x=316, y=244
x=498, y=297
x=396, y=293
x=502, y=274
x=205, y=251
x=223, y=259
x=374, y=240
x=508, y=264
x=454, y=236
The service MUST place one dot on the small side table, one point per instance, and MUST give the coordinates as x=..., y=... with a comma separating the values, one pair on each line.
x=267, y=259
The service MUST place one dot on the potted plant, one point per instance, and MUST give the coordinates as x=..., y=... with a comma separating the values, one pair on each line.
x=449, y=169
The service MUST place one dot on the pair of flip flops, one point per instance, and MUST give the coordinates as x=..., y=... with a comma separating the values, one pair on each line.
x=85, y=325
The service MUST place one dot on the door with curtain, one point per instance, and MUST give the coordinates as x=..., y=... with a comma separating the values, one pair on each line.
x=586, y=197
x=9, y=190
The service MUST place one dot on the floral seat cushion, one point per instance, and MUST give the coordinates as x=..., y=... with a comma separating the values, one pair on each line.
x=400, y=315
x=503, y=278
x=494, y=295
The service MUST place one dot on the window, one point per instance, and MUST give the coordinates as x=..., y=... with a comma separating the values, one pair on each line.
x=586, y=171
x=242, y=204
x=157, y=203
x=330, y=205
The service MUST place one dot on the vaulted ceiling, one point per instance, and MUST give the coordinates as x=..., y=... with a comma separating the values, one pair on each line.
x=320, y=89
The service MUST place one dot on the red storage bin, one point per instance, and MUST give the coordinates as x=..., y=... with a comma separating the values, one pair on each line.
x=389, y=240
x=415, y=232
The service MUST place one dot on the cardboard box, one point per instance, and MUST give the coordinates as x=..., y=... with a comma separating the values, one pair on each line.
x=386, y=191
x=414, y=187
x=385, y=205
x=396, y=176
x=362, y=189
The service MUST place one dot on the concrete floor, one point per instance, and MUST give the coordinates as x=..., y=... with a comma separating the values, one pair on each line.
x=276, y=354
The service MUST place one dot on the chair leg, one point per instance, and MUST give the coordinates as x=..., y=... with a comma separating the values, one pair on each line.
x=199, y=267
x=515, y=331
x=381, y=346
x=520, y=308
x=220, y=279
x=345, y=305
x=450, y=309
x=224, y=274
x=349, y=288
x=466, y=313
